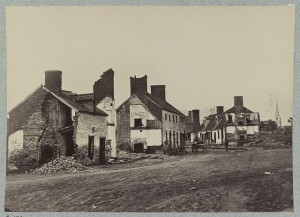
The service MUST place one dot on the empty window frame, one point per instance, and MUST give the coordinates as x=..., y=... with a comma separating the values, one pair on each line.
x=138, y=122
x=229, y=118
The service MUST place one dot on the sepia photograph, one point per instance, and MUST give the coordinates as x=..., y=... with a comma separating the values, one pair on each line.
x=149, y=109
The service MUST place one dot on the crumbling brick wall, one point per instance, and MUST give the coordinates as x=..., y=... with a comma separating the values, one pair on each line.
x=20, y=115
x=123, y=126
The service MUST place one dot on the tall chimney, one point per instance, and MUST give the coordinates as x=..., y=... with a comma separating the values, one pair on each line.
x=220, y=110
x=238, y=104
x=104, y=86
x=138, y=86
x=196, y=119
x=159, y=91
x=53, y=81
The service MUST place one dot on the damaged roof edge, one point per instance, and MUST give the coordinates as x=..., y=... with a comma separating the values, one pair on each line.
x=27, y=97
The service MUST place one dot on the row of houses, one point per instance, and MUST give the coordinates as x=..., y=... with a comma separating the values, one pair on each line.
x=52, y=122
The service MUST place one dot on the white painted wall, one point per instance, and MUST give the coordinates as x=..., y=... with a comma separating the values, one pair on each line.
x=111, y=135
x=107, y=105
x=15, y=141
x=252, y=129
x=139, y=111
x=151, y=136
x=230, y=129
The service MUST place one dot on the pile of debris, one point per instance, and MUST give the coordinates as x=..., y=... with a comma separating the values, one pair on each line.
x=268, y=143
x=132, y=157
x=62, y=165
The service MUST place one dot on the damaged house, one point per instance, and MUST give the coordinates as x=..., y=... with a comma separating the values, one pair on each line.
x=192, y=125
x=146, y=122
x=52, y=122
x=236, y=125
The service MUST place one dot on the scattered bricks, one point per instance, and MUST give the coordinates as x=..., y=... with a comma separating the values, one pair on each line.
x=62, y=165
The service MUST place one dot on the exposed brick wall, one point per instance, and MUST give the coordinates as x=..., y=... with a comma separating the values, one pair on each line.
x=123, y=124
x=19, y=116
x=104, y=86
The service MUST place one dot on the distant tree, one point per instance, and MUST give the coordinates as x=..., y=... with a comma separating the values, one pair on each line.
x=290, y=120
x=269, y=125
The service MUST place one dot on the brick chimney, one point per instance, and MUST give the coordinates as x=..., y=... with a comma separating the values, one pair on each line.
x=53, y=81
x=104, y=86
x=220, y=110
x=196, y=120
x=238, y=104
x=159, y=91
x=138, y=86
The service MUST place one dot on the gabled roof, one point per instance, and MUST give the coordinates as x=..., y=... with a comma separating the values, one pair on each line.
x=232, y=110
x=213, y=124
x=78, y=97
x=65, y=98
x=155, y=105
x=164, y=104
x=84, y=106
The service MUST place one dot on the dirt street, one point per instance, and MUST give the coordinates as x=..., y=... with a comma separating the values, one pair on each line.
x=254, y=180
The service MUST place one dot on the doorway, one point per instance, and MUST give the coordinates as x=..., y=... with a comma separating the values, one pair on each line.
x=102, y=157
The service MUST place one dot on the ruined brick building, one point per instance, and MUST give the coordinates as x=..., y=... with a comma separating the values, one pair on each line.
x=147, y=121
x=192, y=125
x=236, y=125
x=52, y=122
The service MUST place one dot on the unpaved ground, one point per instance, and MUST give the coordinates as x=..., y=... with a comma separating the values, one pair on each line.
x=217, y=182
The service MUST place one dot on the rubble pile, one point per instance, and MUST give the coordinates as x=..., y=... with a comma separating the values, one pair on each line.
x=132, y=157
x=62, y=165
x=268, y=143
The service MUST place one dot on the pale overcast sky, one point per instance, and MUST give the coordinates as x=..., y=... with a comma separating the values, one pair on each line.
x=204, y=55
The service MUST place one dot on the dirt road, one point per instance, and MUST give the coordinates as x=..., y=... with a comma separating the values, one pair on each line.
x=200, y=183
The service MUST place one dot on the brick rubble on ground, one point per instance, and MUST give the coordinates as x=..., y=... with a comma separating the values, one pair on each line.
x=62, y=165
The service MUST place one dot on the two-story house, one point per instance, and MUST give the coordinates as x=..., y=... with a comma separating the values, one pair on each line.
x=236, y=125
x=147, y=121
x=52, y=122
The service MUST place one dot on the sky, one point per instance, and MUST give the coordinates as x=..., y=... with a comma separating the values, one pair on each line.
x=204, y=55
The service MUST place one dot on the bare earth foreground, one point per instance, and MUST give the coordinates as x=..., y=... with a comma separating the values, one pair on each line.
x=213, y=182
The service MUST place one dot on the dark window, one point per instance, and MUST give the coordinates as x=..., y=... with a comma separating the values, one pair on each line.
x=218, y=134
x=242, y=137
x=176, y=119
x=68, y=116
x=215, y=136
x=230, y=118
x=166, y=117
x=241, y=123
x=169, y=117
x=138, y=122
x=173, y=118
x=91, y=147
x=248, y=119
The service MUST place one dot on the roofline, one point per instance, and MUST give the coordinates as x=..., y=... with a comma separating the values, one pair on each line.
x=123, y=103
x=141, y=103
x=180, y=113
x=60, y=99
x=92, y=113
x=27, y=97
